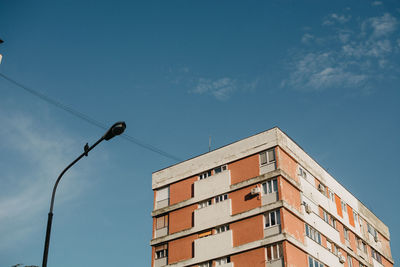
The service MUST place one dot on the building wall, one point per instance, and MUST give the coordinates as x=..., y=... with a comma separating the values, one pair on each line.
x=181, y=219
x=181, y=249
x=254, y=258
x=242, y=200
x=248, y=230
x=181, y=190
x=244, y=169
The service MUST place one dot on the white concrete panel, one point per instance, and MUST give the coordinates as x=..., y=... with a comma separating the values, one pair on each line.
x=162, y=204
x=322, y=254
x=213, y=246
x=274, y=263
x=213, y=185
x=226, y=265
x=213, y=215
x=273, y=230
x=161, y=232
x=267, y=168
x=375, y=263
x=269, y=198
x=160, y=262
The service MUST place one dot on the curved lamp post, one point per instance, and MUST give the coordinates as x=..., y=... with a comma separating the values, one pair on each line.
x=117, y=129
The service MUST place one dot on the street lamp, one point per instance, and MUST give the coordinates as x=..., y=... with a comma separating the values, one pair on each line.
x=117, y=129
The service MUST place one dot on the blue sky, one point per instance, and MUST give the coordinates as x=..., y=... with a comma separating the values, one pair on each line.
x=325, y=72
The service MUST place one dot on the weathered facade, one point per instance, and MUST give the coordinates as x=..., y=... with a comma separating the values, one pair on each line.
x=261, y=201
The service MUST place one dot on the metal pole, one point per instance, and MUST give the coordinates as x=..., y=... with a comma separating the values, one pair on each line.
x=50, y=217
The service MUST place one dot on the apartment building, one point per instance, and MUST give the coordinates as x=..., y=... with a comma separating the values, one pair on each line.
x=261, y=201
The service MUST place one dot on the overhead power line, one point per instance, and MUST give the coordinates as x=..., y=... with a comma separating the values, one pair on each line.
x=87, y=118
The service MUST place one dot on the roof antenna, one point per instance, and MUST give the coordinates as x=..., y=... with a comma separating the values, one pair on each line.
x=209, y=143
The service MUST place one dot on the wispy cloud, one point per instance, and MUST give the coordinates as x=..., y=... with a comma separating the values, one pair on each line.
x=221, y=88
x=377, y=3
x=335, y=18
x=40, y=156
x=349, y=57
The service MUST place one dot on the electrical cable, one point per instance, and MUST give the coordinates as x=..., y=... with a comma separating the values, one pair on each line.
x=87, y=118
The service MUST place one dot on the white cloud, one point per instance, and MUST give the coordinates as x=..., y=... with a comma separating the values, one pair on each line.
x=376, y=3
x=335, y=18
x=36, y=156
x=383, y=26
x=307, y=38
x=221, y=88
x=351, y=58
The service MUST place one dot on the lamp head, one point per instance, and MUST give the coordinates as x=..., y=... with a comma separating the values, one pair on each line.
x=117, y=129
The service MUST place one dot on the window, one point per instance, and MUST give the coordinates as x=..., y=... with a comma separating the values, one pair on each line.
x=222, y=261
x=346, y=233
x=162, y=194
x=272, y=218
x=329, y=245
x=267, y=156
x=313, y=234
x=162, y=222
x=325, y=216
x=206, y=264
x=349, y=261
x=302, y=173
x=161, y=251
x=274, y=252
x=322, y=189
x=335, y=249
x=204, y=234
x=376, y=255
x=204, y=175
x=222, y=228
x=220, y=169
x=372, y=231
x=344, y=209
x=331, y=196
x=221, y=198
x=270, y=186
x=205, y=203
x=355, y=216
x=313, y=262
x=332, y=221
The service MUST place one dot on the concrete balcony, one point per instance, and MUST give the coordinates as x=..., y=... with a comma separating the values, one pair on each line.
x=226, y=265
x=274, y=263
x=162, y=204
x=273, y=230
x=213, y=246
x=213, y=215
x=161, y=232
x=320, y=253
x=269, y=198
x=213, y=185
x=265, y=168
x=160, y=262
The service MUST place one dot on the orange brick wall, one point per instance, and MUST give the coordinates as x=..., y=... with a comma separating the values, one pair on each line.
x=287, y=164
x=181, y=249
x=289, y=193
x=242, y=200
x=338, y=205
x=351, y=217
x=248, y=230
x=181, y=190
x=244, y=169
x=292, y=225
x=293, y=256
x=181, y=219
x=251, y=258
x=339, y=227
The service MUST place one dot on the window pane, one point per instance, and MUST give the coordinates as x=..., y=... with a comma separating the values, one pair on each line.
x=275, y=182
x=307, y=231
x=269, y=187
x=275, y=251
x=218, y=169
x=310, y=262
x=272, y=214
x=269, y=257
x=267, y=220
x=271, y=155
x=264, y=186
x=278, y=217
x=263, y=158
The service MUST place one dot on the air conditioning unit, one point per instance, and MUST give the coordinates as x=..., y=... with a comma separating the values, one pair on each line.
x=342, y=259
x=255, y=190
x=308, y=208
